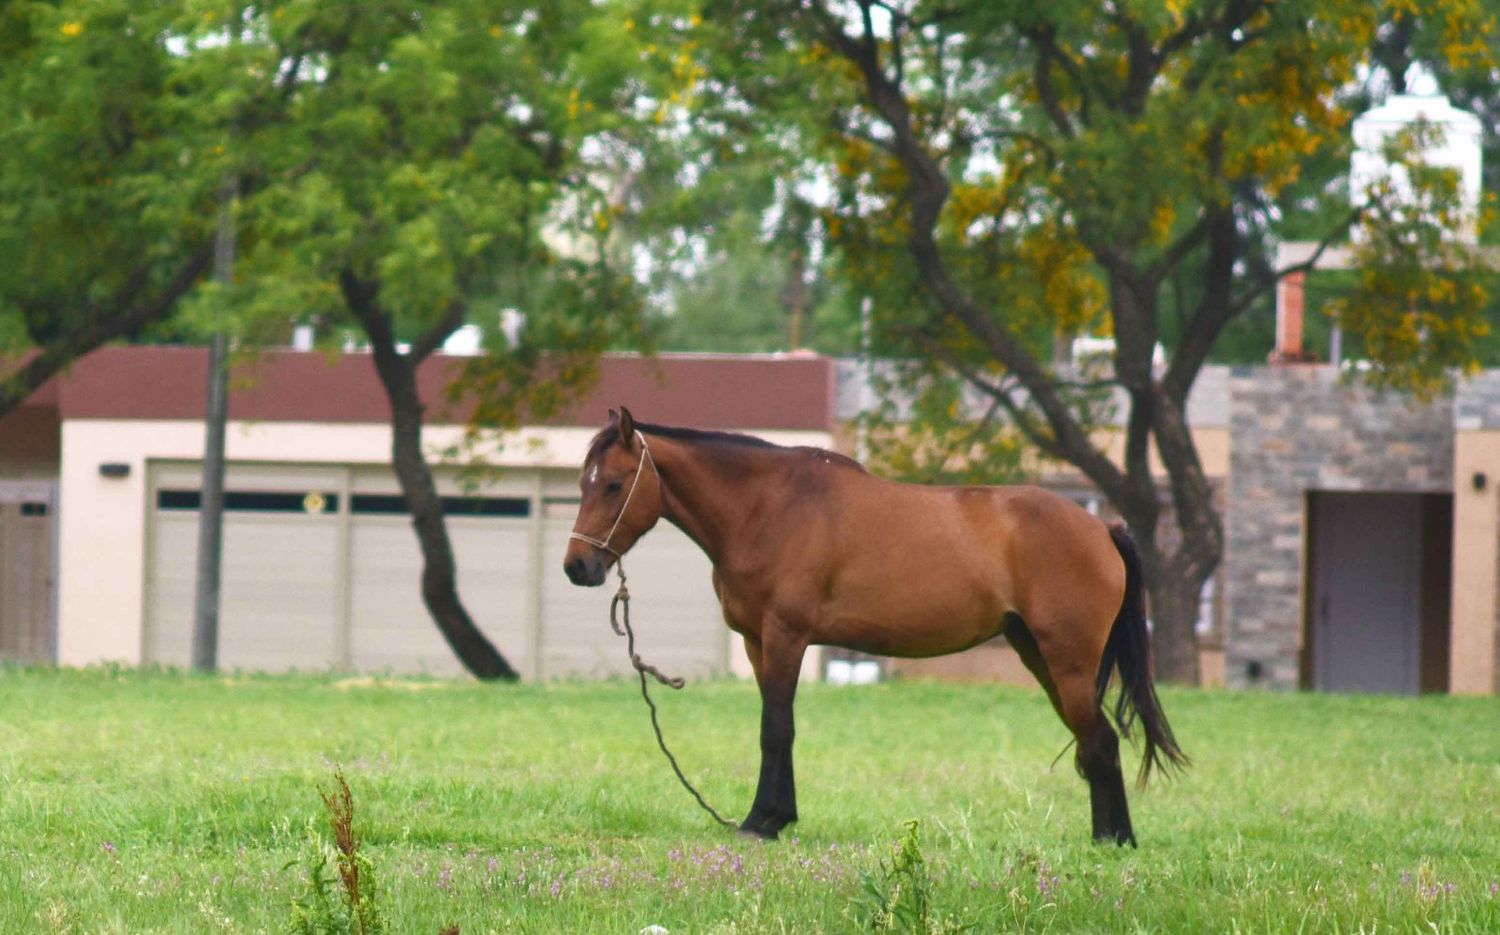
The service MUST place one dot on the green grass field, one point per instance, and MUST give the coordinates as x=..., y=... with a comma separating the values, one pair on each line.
x=136, y=802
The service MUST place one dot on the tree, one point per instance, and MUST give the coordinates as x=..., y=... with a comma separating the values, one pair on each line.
x=103, y=226
x=402, y=168
x=427, y=153
x=1010, y=173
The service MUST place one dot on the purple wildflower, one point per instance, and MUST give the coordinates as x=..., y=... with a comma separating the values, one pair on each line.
x=109, y=847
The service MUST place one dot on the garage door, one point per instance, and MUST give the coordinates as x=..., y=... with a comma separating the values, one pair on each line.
x=491, y=534
x=674, y=611
x=280, y=586
x=322, y=570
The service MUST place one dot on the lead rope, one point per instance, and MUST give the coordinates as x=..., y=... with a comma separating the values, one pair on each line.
x=619, y=621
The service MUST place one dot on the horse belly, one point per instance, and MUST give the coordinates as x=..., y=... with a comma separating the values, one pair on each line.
x=921, y=618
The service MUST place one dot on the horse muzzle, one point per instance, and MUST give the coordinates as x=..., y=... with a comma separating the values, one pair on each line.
x=585, y=572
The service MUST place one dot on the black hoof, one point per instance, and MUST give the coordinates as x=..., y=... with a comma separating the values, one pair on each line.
x=751, y=834
x=1120, y=837
x=765, y=827
x=758, y=829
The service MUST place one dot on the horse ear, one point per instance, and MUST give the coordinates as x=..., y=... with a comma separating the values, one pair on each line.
x=614, y=417
x=627, y=429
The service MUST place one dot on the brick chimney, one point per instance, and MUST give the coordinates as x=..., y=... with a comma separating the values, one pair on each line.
x=1290, y=307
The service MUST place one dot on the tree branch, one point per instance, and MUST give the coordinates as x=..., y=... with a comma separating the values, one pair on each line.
x=1000, y=394
x=105, y=324
x=1047, y=53
x=1214, y=310
x=439, y=331
x=1261, y=288
x=928, y=190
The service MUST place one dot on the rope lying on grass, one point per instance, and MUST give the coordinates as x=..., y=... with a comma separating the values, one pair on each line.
x=619, y=621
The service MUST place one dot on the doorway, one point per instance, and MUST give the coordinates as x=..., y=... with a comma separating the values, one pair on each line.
x=28, y=592
x=1376, y=617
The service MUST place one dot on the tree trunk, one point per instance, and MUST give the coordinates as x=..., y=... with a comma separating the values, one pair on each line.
x=398, y=374
x=439, y=578
x=1174, y=614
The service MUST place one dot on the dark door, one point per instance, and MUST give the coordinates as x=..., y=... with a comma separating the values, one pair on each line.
x=1366, y=603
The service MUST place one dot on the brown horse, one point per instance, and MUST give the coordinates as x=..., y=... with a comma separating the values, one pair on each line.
x=808, y=548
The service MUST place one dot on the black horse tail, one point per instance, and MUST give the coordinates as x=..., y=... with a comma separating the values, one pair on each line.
x=1129, y=649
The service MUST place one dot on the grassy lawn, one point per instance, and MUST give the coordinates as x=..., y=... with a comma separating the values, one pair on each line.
x=137, y=802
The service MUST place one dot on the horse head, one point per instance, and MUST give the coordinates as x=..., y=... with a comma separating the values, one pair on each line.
x=621, y=500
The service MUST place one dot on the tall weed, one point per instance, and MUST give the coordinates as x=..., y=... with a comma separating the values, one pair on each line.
x=344, y=902
x=896, y=897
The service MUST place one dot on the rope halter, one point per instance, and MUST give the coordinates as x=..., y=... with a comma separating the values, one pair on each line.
x=640, y=466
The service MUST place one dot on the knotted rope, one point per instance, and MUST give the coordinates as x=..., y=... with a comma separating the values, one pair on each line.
x=619, y=621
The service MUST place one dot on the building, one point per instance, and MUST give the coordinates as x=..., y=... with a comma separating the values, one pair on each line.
x=1363, y=529
x=99, y=487
x=1362, y=534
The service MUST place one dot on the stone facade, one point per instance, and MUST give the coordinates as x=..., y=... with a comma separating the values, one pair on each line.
x=1476, y=402
x=1297, y=429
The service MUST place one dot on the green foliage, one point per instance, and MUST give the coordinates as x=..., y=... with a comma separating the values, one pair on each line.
x=1043, y=121
x=750, y=294
x=456, y=161
x=110, y=158
x=897, y=896
x=924, y=430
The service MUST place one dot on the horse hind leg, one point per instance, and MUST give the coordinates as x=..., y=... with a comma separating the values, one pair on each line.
x=1072, y=694
x=1099, y=762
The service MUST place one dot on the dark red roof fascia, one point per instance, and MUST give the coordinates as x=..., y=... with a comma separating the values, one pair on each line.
x=727, y=392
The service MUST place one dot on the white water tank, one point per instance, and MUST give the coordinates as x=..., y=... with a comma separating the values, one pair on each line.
x=467, y=341
x=1457, y=145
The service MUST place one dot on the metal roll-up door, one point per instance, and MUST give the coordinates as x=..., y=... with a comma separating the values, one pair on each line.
x=281, y=574
x=491, y=532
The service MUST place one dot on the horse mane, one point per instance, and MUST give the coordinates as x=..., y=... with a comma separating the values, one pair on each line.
x=610, y=435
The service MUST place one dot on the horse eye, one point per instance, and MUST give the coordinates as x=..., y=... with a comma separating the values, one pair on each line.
x=612, y=487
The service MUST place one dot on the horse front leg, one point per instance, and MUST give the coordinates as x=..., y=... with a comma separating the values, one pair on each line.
x=775, y=806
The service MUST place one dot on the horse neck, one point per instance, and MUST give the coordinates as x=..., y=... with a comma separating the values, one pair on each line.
x=710, y=490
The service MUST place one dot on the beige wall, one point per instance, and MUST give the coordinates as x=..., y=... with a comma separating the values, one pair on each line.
x=103, y=521
x=1476, y=541
x=1212, y=444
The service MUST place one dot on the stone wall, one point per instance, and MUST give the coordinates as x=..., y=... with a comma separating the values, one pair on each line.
x=1476, y=402
x=1296, y=429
